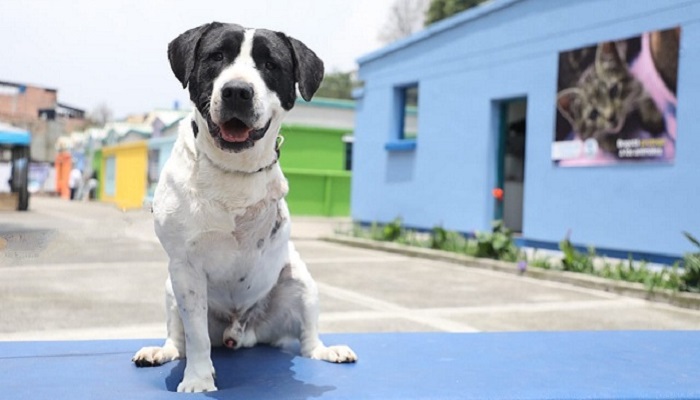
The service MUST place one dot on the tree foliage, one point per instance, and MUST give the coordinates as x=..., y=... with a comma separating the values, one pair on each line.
x=441, y=9
x=336, y=85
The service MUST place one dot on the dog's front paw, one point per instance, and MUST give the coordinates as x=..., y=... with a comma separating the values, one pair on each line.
x=335, y=354
x=193, y=383
x=155, y=356
x=196, y=385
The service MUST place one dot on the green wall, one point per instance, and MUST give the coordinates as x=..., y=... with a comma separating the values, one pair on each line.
x=313, y=160
x=313, y=148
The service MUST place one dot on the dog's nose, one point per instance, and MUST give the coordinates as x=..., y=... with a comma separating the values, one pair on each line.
x=237, y=91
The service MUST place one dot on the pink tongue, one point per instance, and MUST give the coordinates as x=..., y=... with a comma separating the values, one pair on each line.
x=235, y=135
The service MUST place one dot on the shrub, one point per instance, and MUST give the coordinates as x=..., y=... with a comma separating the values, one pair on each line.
x=574, y=260
x=438, y=238
x=392, y=230
x=690, y=279
x=497, y=244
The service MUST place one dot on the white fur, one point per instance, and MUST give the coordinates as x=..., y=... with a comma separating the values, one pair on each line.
x=229, y=276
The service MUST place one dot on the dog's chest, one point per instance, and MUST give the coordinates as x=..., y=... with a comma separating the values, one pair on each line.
x=243, y=256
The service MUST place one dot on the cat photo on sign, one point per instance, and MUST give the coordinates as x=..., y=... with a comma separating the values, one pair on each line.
x=616, y=101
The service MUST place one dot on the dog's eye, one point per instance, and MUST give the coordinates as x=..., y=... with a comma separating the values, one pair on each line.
x=270, y=66
x=217, y=56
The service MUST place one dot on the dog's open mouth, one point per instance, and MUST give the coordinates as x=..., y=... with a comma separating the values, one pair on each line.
x=235, y=134
x=235, y=131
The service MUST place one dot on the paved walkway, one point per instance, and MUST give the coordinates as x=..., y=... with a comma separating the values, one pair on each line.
x=71, y=270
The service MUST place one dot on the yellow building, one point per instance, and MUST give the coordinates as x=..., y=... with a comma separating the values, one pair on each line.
x=123, y=174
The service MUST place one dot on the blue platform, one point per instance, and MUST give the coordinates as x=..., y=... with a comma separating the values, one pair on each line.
x=572, y=365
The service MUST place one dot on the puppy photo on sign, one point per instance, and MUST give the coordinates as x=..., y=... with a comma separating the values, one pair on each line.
x=235, y=278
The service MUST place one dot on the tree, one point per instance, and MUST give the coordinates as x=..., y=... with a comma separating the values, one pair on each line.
x=100, y=115
x=405, y=18
x=336, y=85
x=441, y=9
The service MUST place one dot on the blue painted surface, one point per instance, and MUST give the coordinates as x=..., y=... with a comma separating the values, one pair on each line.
x=401, y=145
x=14, y=136
x=509, y=49
x=572, y=365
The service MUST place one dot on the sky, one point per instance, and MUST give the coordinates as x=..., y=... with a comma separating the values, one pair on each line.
x=113, y=52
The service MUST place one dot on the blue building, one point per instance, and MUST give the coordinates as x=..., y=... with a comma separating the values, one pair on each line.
x=556, y=116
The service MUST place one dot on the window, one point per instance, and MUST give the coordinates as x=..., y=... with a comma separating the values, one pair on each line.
x=347, y=140
x=408, y=97
x=406, y=114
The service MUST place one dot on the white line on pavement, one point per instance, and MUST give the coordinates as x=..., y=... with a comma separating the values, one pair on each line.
x=442, y=313
x=394, y=309
x=351, y=260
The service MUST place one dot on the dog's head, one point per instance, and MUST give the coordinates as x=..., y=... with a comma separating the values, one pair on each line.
x=242, y=81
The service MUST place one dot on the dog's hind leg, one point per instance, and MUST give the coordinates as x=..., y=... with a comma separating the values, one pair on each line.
x=174, y=346
x=289, y=312
x=304, y=288
x=311, y=344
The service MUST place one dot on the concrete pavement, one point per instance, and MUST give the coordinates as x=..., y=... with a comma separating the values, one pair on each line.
x=72, y=270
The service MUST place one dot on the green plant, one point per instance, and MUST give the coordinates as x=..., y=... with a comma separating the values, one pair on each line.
x=497, y=244
x=438, y=238
x=574, y=260
x=690, y=278
x=392, y=230
x=442, y=239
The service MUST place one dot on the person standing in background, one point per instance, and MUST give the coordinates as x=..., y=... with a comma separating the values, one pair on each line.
x=92, y=186
x=74, y=181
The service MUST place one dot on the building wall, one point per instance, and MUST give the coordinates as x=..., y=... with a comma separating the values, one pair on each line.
x=127, y=187
x=63, y=164
x=464, y=71
x=25, y=106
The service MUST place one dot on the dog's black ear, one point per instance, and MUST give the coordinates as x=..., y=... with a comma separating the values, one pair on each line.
x=308, y=68
x=183, y=50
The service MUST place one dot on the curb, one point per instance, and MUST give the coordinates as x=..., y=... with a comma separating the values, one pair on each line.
x=638, y=290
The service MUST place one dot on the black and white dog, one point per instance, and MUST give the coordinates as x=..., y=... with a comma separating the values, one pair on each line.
x=235, y=278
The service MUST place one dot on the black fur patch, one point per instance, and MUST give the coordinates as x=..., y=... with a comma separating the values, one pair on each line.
x=195, y=129
x=277, y=226
x=275, y=61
